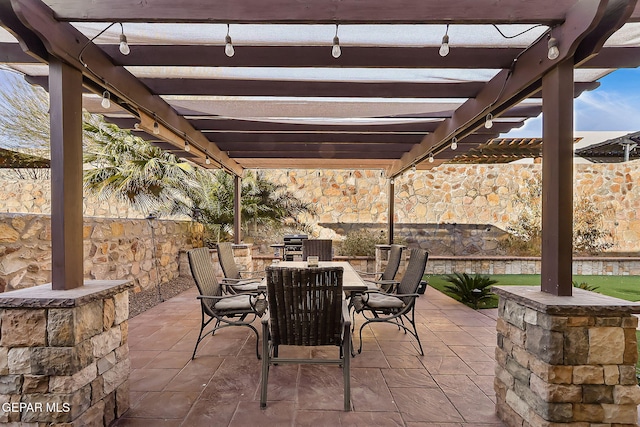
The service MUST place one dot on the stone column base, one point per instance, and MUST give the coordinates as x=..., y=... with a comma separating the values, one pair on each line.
x=565, y=360
x=64, y=357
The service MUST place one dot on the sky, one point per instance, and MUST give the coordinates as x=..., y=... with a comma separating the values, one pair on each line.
x=614, y=106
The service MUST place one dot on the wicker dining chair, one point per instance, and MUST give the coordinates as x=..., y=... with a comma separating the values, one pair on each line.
x=385, y=280
x=378, y=306
x=317, y=247
x=306, y=308
x=226, y=310
x=232, y=275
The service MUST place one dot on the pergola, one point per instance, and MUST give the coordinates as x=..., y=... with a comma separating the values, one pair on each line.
x=285, y=98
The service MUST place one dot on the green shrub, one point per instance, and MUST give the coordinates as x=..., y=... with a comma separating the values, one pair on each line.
x=470, y=290
x=585, y=286
x=362, y=243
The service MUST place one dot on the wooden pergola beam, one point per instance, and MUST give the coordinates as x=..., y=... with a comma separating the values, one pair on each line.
x=66, y=43
x=317, y=12
x=510, y=86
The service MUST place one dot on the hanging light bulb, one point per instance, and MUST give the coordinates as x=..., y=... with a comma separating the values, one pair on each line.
x=553, y=51
x=488, y=123
x=431, y=159
x=454, y=143
x=124, y=46
x=207, y=160
x=106, y=99
x=228, y=47
x=444, y=47
x=156, y=128
x=392, y=181
x=413, y=168
x=335, y=50
x=187, y=147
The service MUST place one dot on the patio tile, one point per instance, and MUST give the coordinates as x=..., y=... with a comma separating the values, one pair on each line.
x=369, y=391
x=208, y=413
x=425, y=404
x=392, y=385
x=149, y=379
x=164, y=404
x=370, y=419
x=456, y=338
x=140, y=358
x=439, y=365
x=282, y=383
x=317, y=419
x=320, y=388
x=470, y=353
x=408, y=378
x=275, y=414
x=469, y=400
x=171, y=359
x=195, y=376
x=237, y=377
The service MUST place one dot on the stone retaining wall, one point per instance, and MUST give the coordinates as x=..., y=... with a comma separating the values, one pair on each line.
x=114, y=249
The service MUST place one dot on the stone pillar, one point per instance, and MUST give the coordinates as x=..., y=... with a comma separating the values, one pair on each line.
x=243, y=256
x=64, y=357
x=565, y=360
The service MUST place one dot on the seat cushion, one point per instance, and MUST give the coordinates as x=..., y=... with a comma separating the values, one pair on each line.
x=236, y=302
x=245, y=287
x=384, y=301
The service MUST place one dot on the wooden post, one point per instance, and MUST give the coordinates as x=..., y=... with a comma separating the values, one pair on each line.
x=391, y=208
x=65, y=92
x=557, y=179
x=237, y=209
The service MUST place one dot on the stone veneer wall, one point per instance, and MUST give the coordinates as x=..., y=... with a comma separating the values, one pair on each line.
x=114, y=249
x=458, y=194
x=565, y=361
x=64, y=355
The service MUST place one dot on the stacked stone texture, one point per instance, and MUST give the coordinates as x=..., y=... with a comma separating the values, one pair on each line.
x=70, y=363
x=114, y=249
x=576, y=370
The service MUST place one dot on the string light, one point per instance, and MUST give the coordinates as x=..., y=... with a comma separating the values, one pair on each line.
x=228, y=46
x=488, y=123
x=454, y=143
x=444, y=47
x=552, y=45
x=413, y=168
x=124, y=46
x=207, y=160
x=156, y=127
x=431, y=159
x=187, y=147
x=335, y=50
x=106, y=99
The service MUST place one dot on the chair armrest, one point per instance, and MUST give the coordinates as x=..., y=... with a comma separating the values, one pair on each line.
x=228, y=281
x=406, y=295
x=217, y=298
x=368, y=273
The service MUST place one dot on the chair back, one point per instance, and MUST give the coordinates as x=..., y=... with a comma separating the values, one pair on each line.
x=395, y=255
x=305, y=305
x=415, y=270
x=228, y=264
x=204, y=274
x=317, y=247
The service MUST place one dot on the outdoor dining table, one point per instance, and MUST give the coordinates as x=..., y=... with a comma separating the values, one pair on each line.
x=351, y=280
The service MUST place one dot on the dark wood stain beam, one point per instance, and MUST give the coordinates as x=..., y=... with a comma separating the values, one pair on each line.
x=319, y=11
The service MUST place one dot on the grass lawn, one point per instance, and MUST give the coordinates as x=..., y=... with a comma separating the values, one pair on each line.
x=623, y=287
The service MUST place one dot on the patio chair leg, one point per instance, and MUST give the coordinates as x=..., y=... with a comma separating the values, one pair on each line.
x=203, y=325
x=266, y=360
x=415, y=330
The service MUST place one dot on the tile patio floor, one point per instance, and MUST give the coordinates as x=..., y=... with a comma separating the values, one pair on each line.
x=391, y=385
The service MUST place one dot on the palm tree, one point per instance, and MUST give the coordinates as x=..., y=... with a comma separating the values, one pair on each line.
x=154, y=181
